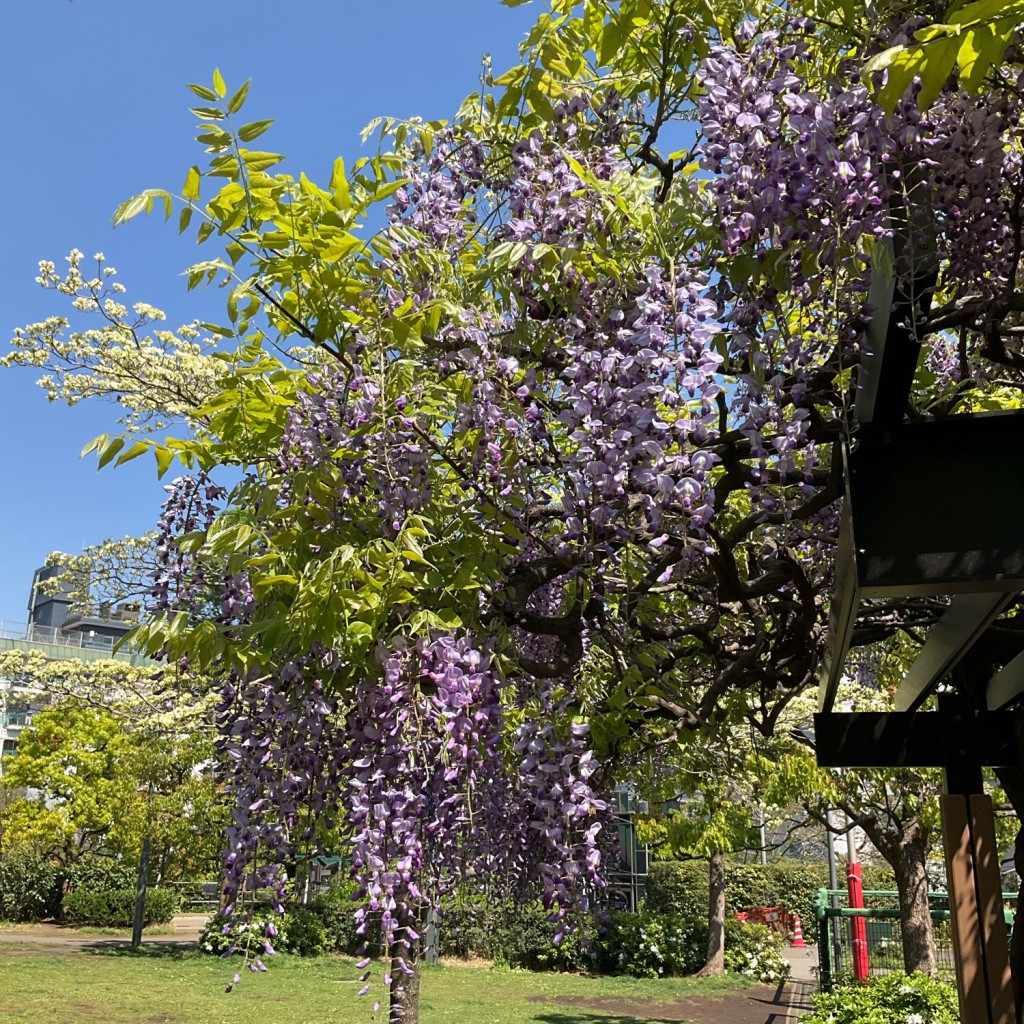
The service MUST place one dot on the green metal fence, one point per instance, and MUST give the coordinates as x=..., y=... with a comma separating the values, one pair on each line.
x=834, y=933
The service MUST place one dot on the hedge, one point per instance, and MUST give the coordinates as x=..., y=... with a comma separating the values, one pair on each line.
x=115, y=908
x=681, y=887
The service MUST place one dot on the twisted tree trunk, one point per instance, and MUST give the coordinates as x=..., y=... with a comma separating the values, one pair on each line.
x=405, y=987
x=915, y=916
x=906, y=851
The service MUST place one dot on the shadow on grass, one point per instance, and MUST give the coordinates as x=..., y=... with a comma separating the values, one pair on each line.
x=152, y=951
x=602, y=1018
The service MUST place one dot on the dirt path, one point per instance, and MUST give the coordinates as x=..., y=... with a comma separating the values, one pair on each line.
x=762, y=1005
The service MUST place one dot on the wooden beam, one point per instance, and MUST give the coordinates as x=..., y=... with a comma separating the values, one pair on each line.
x=917, y=739
x=842, y=614
x=967, y=617
x=909, y=539
x=1006, y=685
x=880, y=296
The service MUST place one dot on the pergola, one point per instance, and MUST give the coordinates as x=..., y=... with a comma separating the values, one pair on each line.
x=934, y=508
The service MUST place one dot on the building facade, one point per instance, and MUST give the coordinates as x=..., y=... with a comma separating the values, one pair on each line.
x=61, y=634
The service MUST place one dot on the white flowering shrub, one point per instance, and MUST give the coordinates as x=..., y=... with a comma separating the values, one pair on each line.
x=754, y=951
x=649, y=945
x=299, y=931
x=891, y=999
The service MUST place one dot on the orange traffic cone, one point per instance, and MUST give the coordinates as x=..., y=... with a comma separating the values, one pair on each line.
x=798, y=933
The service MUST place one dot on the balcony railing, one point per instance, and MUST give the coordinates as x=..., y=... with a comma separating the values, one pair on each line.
x=83, y=644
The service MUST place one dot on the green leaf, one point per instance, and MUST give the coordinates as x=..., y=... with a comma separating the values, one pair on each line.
x=882, y=60
x=257, y=160
x=164, y=458
x=253, y=130
x=108, y=453
x=611, y=42
x=223, y=332
x=940, y=57
x=986, y=10
x=202, y=91
x=236, y=101
x=515, y=3
x=130, y=208
x=218, y=83
x=217, y=137
x=213, y=113
x=165, y=197
x=360, y=631
x=94, y=444
x=902, y=71
x=191, y=188
x=339, y=185
x=137, y=449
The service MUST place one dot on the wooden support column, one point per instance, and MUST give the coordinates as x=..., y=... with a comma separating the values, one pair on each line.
x=980, y=948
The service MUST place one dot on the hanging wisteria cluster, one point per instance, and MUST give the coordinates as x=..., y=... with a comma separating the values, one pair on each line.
x=433, y=792
x=808, y=176
x=191, y=506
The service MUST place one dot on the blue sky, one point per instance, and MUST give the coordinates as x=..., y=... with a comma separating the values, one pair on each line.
x=97, y=110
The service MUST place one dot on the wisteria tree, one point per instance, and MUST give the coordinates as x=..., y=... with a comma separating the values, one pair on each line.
x=550, y=457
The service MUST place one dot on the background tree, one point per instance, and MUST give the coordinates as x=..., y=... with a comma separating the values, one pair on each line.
x=97, y=787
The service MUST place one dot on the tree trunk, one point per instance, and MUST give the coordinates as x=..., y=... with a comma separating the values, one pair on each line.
x=405, y=988
x=716, y=918
x=915, y=918
x=906, y=850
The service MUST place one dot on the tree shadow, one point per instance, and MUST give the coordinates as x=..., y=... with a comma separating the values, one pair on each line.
x=791, y=994
x=603, y=1018
x=152, y=951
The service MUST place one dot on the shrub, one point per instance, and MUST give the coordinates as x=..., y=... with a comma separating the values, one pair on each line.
x=521, y=936
x=247, y=936
x=755, y=951
x=336, y=910
x=513, y=935
x=113, y=908
x=678, y=887
x=892, y=999
x=651, y=945
x=300, y=931
x=96, y=872
x=785, y=883
x=681, y=887
x=303, y=933
x=30, y=886
x=466, y=930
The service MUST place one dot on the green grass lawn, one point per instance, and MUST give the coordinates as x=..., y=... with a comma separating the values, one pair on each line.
x=43, y=988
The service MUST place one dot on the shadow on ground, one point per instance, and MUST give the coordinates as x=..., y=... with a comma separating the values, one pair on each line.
x=602, y=1018
x=154, y=951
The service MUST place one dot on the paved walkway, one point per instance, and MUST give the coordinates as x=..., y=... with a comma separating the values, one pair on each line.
x=186, y=929
x=795, y=998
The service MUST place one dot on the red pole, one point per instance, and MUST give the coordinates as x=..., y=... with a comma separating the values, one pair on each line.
x=858, y=926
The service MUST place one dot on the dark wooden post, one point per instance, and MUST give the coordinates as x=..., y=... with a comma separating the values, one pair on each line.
x=980, y=949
